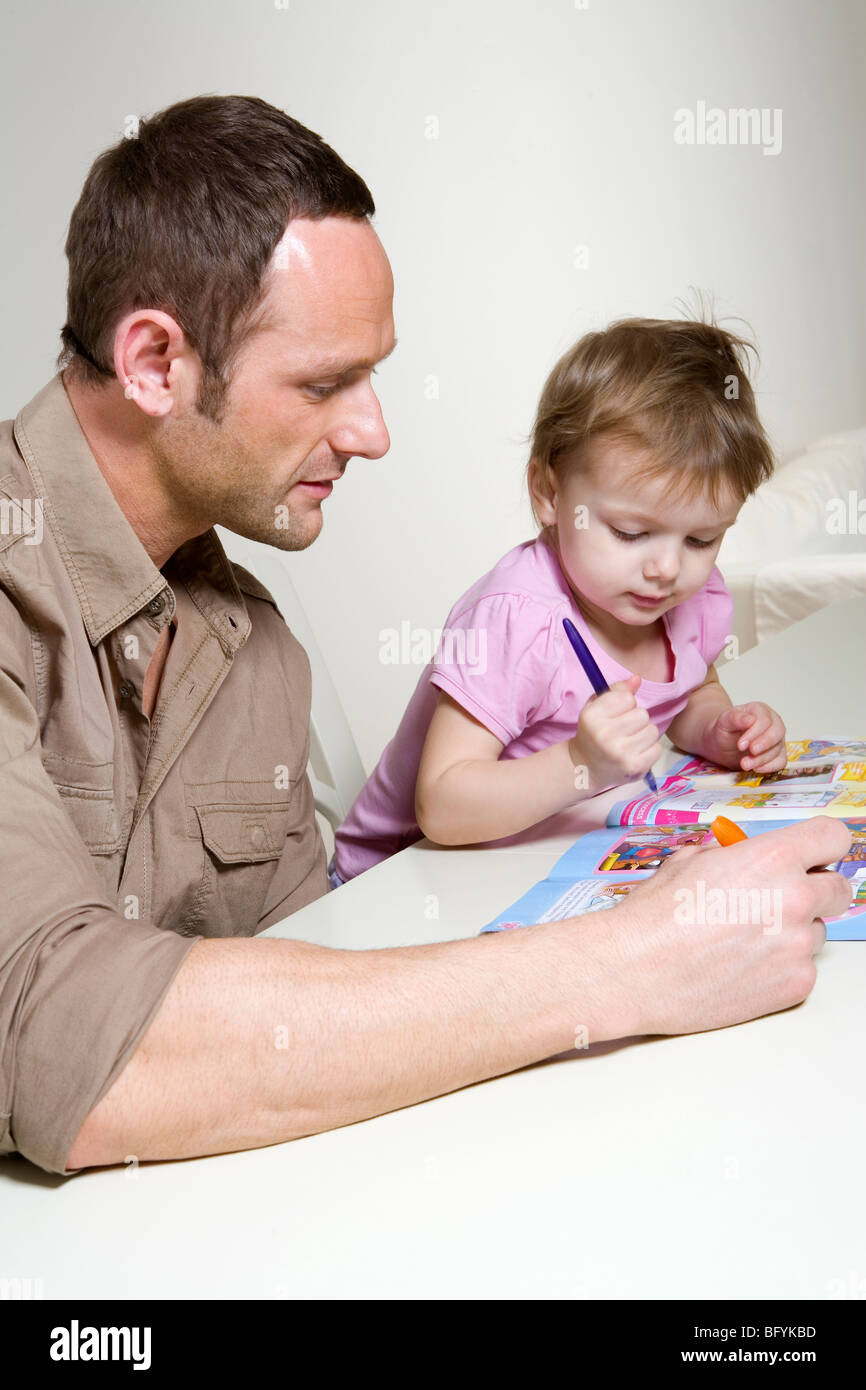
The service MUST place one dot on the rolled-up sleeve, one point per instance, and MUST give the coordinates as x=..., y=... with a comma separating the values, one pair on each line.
x=79, y=983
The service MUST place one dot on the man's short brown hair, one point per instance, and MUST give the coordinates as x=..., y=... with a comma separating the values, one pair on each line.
x=183, y=217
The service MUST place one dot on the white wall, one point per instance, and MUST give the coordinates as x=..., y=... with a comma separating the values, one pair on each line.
x=555, y=130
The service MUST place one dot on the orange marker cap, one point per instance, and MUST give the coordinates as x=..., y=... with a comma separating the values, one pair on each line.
x=726, y=831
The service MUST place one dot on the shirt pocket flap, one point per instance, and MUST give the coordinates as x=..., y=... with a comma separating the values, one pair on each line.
x=243, y=834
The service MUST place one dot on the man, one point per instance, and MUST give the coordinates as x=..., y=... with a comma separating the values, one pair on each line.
x=228, y=303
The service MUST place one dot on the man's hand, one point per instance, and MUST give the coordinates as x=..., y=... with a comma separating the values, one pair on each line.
x=750, y=737
x=682, y=970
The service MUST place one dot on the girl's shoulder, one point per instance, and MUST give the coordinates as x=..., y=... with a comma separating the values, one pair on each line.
x=706, y=618
x=528, y=574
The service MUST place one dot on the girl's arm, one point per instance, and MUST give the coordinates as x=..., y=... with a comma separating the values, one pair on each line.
x=689, y=730
x=465, y=796
x=748, y=737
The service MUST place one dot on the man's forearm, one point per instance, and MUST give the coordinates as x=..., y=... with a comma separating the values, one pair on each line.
x=260, y=1041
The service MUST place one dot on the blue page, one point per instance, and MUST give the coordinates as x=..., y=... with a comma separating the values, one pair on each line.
x=602, y=867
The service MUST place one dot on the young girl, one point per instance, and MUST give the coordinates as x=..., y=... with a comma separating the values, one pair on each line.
x=646, y=443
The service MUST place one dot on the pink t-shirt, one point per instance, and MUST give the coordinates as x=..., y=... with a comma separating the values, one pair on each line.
x=505, y=658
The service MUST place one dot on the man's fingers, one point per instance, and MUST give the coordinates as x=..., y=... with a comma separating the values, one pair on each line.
x=682, y=854
x=819, y=927
x=833, y=892
x=817, y=841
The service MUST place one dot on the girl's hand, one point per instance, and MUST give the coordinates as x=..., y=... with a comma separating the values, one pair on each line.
x=615, y=740
x=750, y=737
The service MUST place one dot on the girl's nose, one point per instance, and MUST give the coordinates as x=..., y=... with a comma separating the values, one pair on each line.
x=665, y=567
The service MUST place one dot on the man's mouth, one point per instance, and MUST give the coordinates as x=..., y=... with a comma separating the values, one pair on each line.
x=321, y=487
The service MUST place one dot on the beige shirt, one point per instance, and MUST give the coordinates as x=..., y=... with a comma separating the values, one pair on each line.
x=152, y=791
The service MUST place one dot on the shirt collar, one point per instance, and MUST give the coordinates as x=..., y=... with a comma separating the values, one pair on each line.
x=112, y=574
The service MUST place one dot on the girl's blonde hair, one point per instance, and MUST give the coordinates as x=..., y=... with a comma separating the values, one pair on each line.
x=677, y=390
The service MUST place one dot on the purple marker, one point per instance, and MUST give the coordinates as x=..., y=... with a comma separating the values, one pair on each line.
x=596, y=679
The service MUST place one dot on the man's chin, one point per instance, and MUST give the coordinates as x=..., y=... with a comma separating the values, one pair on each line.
x=289, y=533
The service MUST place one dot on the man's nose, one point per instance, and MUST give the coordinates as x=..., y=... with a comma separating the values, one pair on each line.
x=364, y=434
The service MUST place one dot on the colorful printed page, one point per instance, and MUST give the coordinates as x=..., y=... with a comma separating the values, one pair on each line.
x=801, y=752
x=679, y=802
x=810, y=762
x=589, y=878
x=852, y=775
x=822, y=777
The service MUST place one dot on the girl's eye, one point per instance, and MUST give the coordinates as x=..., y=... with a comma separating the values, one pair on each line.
x=638, y=535
x=627, y=535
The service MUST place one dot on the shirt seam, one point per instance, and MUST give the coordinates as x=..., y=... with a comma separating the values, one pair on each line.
x=28, y=454
x=467, y=700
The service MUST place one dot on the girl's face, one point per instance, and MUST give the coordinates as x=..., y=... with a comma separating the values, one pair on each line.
x=628, y=549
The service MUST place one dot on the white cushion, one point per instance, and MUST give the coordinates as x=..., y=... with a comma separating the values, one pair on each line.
x=787, y=591
x=797, y=544
x=792, y=514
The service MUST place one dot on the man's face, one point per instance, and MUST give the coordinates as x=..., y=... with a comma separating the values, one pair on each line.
x=300, y=403
x=620, y=540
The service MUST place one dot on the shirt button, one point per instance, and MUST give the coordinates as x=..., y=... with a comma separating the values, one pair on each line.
x=156, y=605
x=126, y=690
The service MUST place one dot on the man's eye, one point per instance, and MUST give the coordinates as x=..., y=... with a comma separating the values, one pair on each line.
x=627, y=535
x=322, y=393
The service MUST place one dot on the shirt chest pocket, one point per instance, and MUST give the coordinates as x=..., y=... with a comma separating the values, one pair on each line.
x=242, y=829
x=87, y=793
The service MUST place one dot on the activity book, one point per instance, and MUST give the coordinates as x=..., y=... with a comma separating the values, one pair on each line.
x=822, y=777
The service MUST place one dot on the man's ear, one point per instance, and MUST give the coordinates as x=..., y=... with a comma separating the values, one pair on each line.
x=542, y=483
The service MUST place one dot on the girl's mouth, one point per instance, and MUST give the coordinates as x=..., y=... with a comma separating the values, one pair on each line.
x=644, y=602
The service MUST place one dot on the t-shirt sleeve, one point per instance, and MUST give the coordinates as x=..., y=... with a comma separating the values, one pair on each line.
x=498, y=659
x=716, y=616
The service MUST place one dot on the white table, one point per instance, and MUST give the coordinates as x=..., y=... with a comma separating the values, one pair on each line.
x=726, y=1164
